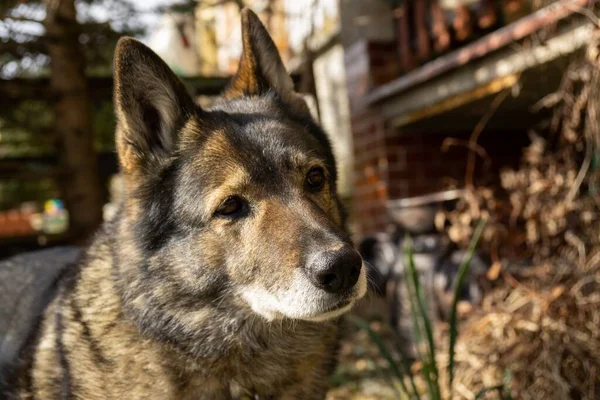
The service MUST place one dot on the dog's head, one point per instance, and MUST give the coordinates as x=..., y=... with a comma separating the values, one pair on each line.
x=237, y=201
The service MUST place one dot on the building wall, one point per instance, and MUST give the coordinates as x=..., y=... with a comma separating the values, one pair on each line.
x=366, y=19
x=392, y=164
x=371, y=177
x=177, y=48
x=219, y=35
x=332, y=95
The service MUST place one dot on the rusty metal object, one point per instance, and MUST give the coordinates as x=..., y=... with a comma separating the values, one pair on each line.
x=441, y=34
x=487, y=18
x=417, y=214
x=420, y=17
x=462, y=23
x=487, y=44
x=407, y=61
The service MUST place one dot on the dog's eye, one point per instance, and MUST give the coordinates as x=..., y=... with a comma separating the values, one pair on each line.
x=231, y=206
x=315, y=178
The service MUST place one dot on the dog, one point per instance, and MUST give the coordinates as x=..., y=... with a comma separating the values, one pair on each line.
x=226, y=271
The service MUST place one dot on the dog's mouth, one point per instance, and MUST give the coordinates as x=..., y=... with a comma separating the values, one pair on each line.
x=338, y=305
x=331, y=312
x=303, y=301
x=342, y=305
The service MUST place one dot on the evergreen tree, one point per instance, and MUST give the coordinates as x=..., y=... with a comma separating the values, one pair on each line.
x=65, y=41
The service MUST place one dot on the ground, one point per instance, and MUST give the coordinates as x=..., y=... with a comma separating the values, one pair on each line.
x=357, y=377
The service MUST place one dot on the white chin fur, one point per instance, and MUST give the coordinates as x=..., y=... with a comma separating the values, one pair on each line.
x=330, y=314
x=296, y=302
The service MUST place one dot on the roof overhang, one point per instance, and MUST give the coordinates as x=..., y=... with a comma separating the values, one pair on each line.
x=470, y=75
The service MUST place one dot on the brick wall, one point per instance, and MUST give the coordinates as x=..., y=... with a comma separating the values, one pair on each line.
x=370, y=172
x=390, y=164
x=418, y=165
x=368, y=64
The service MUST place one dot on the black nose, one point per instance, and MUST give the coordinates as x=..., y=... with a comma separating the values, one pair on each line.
x=335, y=270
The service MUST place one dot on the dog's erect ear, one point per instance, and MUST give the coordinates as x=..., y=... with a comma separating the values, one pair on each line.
x=261, y=68
x=151, y=104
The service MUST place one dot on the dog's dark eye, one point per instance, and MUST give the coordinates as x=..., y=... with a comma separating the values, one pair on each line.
x=315, y=178
x=231, y=207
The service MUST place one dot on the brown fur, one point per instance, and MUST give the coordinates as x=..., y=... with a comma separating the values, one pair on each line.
x=261, y=69
x=171, y=301
x=107, y=358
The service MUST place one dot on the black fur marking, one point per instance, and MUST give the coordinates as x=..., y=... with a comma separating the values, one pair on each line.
x=86, y=335
x=157, y=223
x=154, y=135
x=68, y=286
x=63, y=359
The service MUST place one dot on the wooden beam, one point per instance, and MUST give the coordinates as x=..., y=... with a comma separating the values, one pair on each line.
x=505, y=62
x=491, y=88
x=487, y=44
x=101, y=88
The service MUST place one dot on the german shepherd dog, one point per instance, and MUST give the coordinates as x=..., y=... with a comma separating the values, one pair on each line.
x=227, y=270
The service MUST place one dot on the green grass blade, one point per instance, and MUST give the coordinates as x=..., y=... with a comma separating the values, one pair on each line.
x=462, y=273
x=502, y=389
x=506, y=382
x=406, y=363
x=386, y=377
x=421, y=315
x=417, y=329
x=395, y=367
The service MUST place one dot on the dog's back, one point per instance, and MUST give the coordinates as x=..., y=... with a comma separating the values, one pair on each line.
x=27, y=283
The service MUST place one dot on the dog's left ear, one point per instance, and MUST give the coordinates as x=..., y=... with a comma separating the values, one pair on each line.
x=151, y=104
x=261, y=68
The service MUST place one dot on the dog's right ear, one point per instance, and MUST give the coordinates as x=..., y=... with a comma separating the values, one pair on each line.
x=151, y=105
x=261, y=69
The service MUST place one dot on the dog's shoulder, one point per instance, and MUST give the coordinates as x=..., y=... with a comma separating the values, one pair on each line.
x=28, y=283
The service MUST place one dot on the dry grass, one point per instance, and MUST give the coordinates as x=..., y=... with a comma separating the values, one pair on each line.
x=537, y=332
x=539, y=325
x=543, y=329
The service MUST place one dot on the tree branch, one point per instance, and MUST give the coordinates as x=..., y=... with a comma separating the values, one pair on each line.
x=20, y=49
x=24, y=19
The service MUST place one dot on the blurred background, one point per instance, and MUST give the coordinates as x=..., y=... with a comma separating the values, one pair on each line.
x=442, y=113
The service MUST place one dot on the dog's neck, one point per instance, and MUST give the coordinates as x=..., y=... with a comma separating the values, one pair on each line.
x=224, y=349
x=213, y=329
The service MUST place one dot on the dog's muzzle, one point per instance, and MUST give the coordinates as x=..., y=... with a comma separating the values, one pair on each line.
x=335, y=271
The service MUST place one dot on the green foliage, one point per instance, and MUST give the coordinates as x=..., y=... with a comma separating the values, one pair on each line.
x=183, y=6
x=104, y=126
x=422, y=323
x=23, y=38
x=462, y=273
x=398, y=368
x=28, y=134
x=14, y=192
x=25, y=130
x=424, y=335
x=26, y=122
